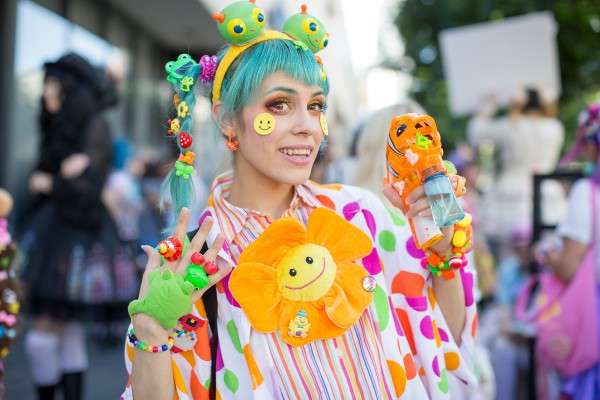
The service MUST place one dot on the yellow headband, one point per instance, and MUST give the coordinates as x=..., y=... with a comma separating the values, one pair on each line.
x=233, y=53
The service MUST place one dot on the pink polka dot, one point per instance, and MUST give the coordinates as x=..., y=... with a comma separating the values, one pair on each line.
x=350, y=210
x=443, y=335
x=436, y=366
x=203, y=216
x=370, y=222
x=228, y=294
x=219, y=358
x=413, y=250
x=372, y=263
x=427, y=327
x=417, y=303
x=467, y=281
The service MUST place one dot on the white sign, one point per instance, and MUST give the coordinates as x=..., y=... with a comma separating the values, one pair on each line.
x=499, y=58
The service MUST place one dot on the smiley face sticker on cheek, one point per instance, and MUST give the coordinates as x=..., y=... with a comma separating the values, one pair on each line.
x=264, y=124
x=323, y=122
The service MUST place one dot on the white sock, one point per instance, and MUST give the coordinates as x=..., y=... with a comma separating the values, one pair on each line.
x=73, y=350
x=42, y=351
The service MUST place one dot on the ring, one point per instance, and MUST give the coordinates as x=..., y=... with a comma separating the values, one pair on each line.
x=170, y=248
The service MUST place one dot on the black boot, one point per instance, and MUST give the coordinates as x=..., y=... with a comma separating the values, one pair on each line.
x=73, y=385
x=46, y=392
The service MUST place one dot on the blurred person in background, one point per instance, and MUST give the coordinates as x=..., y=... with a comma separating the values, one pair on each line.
x=529, y=140
x=68, y=237
x=577, y=231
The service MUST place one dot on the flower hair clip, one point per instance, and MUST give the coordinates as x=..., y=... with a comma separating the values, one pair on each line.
x=209, y=68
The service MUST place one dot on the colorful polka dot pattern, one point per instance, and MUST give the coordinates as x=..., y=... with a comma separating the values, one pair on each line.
x=412, y=329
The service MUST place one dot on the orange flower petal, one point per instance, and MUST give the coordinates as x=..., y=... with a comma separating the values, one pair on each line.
x=274, y=242
x=254, y=286
x=346, y=300
x=344, y=241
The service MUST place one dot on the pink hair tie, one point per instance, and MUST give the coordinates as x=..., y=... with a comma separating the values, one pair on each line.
x=8, y=319
x=209, y=68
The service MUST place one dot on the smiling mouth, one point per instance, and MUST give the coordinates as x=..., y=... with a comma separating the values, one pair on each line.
x=312, y=281
x=296, y=152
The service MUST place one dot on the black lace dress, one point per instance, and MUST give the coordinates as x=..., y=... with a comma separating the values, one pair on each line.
x=72, y=256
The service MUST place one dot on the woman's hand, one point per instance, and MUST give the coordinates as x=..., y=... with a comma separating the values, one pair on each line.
x=419, y=205
x=180, y=266
x=74, y=165
x=40, y=183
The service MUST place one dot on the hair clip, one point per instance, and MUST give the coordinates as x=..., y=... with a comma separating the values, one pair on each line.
x=185, y=140
x=209, y=68
x=182, y=110
x=5, y=237
x=176, y=69
x=187, y=158
x=175, y=126
x=184, y=170
x=186, y=82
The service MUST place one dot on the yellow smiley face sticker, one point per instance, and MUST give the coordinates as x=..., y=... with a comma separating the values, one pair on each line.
x=323, y=122
x=264, y=124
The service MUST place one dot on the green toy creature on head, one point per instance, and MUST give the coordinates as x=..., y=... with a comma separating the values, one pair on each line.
x=241, y=22
x=307, y=29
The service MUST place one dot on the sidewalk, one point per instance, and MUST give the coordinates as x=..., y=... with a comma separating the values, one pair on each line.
x=105, y=379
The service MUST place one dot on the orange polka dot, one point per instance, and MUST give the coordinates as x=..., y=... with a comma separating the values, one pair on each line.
x=189, y=356
x=332, y=186
x=398, y=377
x=404, y=322
x=421, y=371
x=474, y=326
x=200, y=308
x=431, y=297
x=219, y=286
x=202, y=346
x=452, y=361
x=411, y=368
x=326, y=201
x=130, y=353
x=217, y=395
x=436, y=334
x=179, y=381
x=408, y=284
x=257, y=378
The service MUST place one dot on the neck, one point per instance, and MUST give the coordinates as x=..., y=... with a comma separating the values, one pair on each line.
x=261, y=194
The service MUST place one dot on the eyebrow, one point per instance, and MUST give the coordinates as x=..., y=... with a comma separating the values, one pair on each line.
x=291, y=91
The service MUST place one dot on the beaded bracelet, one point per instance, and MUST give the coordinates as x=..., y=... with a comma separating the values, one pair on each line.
x=150, y=349
x=461, y=244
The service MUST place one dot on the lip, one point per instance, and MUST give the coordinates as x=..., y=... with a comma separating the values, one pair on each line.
x=298, y=161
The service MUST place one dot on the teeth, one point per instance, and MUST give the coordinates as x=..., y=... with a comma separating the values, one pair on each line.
x=296, y=152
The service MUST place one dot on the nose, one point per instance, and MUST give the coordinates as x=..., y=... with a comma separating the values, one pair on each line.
x=305, y=123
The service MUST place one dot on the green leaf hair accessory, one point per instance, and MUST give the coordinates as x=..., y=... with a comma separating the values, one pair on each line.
x=308, y=29
x=241, y=22
x=168, y=298
x=176, y=69
x=186, y=82
x=184, y=170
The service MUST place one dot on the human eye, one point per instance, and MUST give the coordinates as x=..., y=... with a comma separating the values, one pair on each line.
x=279, y=105
x=317, y=106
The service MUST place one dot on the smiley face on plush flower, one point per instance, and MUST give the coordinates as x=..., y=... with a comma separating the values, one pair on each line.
x=292, y=269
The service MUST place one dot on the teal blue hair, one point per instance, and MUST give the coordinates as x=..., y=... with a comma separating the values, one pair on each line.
x=240, y=87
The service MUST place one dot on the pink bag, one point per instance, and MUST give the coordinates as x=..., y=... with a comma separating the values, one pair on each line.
x=567, y=323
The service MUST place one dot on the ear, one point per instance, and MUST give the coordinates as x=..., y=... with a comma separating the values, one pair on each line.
x=226, y=125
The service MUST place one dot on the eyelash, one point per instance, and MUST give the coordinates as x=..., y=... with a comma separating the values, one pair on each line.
x=271, y=105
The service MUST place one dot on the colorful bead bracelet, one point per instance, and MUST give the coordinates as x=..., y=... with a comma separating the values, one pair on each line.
x=461, y=244
x=150, y=349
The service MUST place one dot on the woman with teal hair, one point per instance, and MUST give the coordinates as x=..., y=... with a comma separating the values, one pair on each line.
x=301, y=291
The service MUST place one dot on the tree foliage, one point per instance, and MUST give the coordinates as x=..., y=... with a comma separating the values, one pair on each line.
x=420, y=21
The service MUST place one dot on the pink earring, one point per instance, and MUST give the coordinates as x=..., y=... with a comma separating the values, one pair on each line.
x=231, y=145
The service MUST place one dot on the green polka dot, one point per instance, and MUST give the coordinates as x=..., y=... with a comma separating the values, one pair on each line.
x=231, y=381
x=443, y=384
x=235, y=337
x=382, y=306
x=397, y=219
x=5, y=262
x=387, y=240
x=207, y=384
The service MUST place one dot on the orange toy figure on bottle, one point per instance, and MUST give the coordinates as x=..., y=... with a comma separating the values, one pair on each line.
x=414, y=158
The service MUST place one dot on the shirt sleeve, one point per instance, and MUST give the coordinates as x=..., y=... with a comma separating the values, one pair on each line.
x=411, y=294
x=578, y=222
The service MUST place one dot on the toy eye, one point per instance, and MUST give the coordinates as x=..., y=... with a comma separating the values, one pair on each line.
x=309, y=260
x=292, y=272
x=325, y=41
x=259, y=16
x=168, y=66
x=310, y=26
x=184, y=57
x=236, y=27
x=400, y=130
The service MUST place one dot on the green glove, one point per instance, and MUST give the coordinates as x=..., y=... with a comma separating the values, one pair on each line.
x=168, y=298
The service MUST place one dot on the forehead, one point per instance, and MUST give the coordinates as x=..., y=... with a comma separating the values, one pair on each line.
x=281, y=81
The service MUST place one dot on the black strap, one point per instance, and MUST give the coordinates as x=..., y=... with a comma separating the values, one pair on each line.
x=209, y=299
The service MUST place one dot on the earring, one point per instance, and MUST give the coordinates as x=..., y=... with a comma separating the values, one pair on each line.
x=231, y=145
